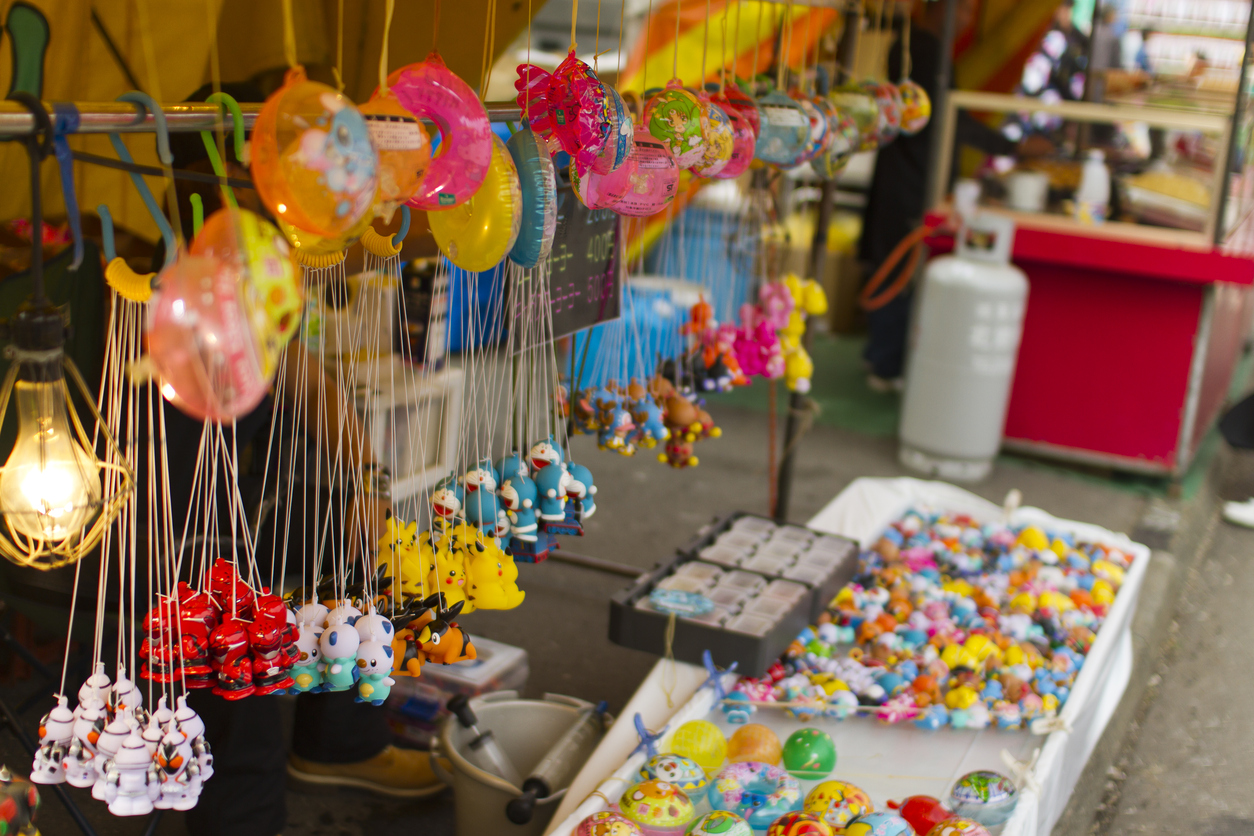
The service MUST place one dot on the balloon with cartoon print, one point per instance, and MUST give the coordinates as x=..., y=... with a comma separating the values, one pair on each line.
x=879, y=824
x=719, y=138
x=683, y=772
x=958, y=827
x=838, y=802
x=916, y=107
x=607, y=823
x=985, y=796
x=719, y=823
x=798, y=823
x=654, y=805
x=312, y=159
x=673, y=116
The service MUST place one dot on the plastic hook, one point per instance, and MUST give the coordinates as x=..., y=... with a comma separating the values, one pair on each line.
x=145, y=102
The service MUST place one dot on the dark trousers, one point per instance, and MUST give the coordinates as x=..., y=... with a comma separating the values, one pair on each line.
x=245, y=796
x=885, y=349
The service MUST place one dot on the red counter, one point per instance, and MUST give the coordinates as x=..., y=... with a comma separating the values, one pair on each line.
x=1128, y=347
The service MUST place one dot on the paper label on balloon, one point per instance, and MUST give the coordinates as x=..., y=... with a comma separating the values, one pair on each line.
x=395, y=133
x=652, y=157
x=446, y=199
x=784, y=117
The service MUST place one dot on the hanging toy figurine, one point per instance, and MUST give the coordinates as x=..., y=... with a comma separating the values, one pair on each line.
x=339, y=645
x=228, y=646
x=581, y=491
x=443, y=641
x=492, y=580
x=808, y=300
x=80, y=767
x=193, y=729
x=481, y=506
x=447, y=500
x=56, y=730
x=374, y=669
x=307, y=672
x=519, y=496
x=178, y=771
x=131, y=781
x=19, y=803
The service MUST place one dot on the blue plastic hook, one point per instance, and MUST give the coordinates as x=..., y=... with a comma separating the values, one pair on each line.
x=404, y=230
x=106, y=232
x=714, y=677
x=145, y=103
x=648, y=739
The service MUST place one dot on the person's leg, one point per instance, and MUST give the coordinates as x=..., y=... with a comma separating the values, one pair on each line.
x=245, y=796
x=885, y=350
x=339, y=742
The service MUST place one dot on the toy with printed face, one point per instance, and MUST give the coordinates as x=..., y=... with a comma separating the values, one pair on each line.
x=448, y=576
x=80, y=767
x=265, y=641
x=374, y=668
x=446, y=500
x=551, y=483
x=443, y=641
x=616, y=429
x=480, y=504
x=230, y=594
x=407, y=658
x=160, y=656
x=132, y=784
x=507, y=467
x=178, y=772
x=584, y=412
x=228, y=646
x=190, y=725
x=107, y=746
x=582, y=488
x=492, y=580
x=307, y=672
x=543, y=454
x=56, y=730
x=519, y=496
x=339, y=645
x=650, y=426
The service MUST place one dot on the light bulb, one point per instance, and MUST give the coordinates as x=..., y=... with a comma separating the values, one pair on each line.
x=50, y=486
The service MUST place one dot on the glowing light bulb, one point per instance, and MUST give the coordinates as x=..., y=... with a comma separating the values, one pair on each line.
x=50, y=486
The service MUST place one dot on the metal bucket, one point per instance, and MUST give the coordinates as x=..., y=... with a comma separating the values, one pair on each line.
x=525, y=730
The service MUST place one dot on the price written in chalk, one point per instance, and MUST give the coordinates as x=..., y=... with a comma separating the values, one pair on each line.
x=584, y=272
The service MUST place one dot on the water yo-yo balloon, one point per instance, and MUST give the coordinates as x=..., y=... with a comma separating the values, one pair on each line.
x=652, y=177
x=478, y=233
x=716, y=132
x=312, y=160
x=404, y=150
x=916, y=107
x=785, y=130
x=853, y=100
x=538, y=210
x=430, y=90
x=985, y=796
x=674, y=117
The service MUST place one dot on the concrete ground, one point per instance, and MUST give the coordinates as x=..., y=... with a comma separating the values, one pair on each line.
x=646, y=510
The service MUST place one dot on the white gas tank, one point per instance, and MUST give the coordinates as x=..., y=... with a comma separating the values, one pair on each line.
x=964, y=344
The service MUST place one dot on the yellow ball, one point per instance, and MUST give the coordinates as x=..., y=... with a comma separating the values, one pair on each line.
x=1032, y=538
x=754, y=742
x=702, y=741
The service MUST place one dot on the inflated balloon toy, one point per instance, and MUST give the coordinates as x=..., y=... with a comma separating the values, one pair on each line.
x=620, y=131
x=404, y=150
x=819, y=129
x=916, y=107
x=784, y=132
x=737, y=99
x=843, y=140
x=887, y=99
x=202, y=343
x=718, y=136
x=604, y=191
x=538, y=199
x=744, y=136
x=312, y=160
x=478, y=233
x=567, y=108
x=853, y=99
x=673, y=116
x=430, y=90
x=653, y=177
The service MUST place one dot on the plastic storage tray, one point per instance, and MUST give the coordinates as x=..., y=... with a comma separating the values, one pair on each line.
x=744, y=628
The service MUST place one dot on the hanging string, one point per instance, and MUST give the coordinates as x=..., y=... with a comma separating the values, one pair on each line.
x=857, y=43
x=705, y=45
x=648, y=31
x=781, y=67
x=383, y=51
x=722, y=84
x=675, y=62
x=289, y=34
x=435, y=28
x=574, y=18
x=907, y=65
x=596, y=44
x=154, y=83
x=339, y=45
x=757, y=43
x=489, y=48
x=805, y=51
x=736, y=42
x=622, y=17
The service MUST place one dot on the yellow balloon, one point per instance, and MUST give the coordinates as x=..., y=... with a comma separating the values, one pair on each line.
x=311, y=244
x=477, y=235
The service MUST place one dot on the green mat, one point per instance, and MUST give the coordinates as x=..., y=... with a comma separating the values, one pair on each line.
x=843, y=399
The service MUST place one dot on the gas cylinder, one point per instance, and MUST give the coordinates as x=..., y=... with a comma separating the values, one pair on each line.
x=963, y=348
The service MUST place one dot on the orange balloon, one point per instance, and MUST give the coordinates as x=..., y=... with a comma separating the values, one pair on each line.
x=404, y=150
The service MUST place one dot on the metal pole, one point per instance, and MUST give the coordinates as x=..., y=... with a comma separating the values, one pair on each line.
x=796, y=402
x=1238, y=114
x=597, y=563
x=944, y=80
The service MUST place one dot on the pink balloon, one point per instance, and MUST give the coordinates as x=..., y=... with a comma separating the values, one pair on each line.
x=744, y=136
x=201, y=340
x=653, y=174
x=430, y=90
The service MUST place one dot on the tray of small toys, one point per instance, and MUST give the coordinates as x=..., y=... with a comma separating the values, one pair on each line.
x=742, y=589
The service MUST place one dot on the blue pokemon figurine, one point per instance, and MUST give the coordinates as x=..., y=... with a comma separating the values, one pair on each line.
x=518, y=495
x=374, y=668
x=480, y=503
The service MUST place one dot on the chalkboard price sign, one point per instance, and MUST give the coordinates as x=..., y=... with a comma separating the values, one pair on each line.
x=584, y=276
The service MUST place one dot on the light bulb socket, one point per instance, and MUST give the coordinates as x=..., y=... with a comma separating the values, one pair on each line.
x=38, y=327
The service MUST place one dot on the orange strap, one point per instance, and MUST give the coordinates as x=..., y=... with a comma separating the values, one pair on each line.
x=912, y=242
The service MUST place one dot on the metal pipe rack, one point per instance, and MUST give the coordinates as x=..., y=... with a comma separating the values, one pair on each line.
x=123, y=117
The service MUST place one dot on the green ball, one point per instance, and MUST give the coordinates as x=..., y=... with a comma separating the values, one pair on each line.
x=809, y=754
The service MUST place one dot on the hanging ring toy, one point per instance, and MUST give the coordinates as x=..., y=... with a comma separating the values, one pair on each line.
x=130, y=285
x=145, y=104
x=539, y=199
x=430, y=90
x=479, y=233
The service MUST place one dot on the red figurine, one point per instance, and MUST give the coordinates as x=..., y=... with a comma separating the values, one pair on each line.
x=229, y=646
x=269, y=671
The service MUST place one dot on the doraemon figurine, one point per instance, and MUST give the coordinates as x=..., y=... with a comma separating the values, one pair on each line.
x=446, y=500
x=56, y=730
x=507, y=467
x=551, y=484
x=543, y=454
x=519, y=495
x=582, y=488
x=374, y=668
x=616, y=429
x=479, y=499
x=650, y=428
x=339, y=644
